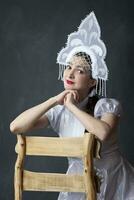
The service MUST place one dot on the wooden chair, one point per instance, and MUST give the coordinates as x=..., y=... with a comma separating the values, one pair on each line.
x=81, y=147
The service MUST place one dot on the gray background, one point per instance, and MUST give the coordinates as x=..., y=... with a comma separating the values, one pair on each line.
x=31, y=34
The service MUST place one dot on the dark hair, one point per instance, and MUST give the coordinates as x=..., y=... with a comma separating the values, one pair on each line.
x=91, y=104
x=91, y=100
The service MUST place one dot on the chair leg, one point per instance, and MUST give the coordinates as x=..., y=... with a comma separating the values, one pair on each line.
x=18, y=175
x=18, y=183
x=88, y=167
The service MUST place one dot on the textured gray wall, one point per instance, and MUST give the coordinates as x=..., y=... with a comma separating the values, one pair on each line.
x=31, y=34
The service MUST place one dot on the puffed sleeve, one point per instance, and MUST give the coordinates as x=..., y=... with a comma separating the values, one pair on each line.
x=107, y=105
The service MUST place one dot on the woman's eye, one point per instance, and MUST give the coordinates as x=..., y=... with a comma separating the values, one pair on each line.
x=68, y=67
x=80, y=71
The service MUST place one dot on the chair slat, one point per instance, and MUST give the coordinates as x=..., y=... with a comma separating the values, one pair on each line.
x=34, y=181
x=67, y=147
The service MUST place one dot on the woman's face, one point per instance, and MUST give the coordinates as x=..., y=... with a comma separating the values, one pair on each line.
x=77, y=76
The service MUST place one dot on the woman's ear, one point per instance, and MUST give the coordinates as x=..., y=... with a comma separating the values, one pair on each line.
x=92, y=82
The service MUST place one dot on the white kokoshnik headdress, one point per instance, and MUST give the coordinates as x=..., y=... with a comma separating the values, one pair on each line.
x=87, y=40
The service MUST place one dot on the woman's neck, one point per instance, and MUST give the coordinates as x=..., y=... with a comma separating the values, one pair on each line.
x=82, y=96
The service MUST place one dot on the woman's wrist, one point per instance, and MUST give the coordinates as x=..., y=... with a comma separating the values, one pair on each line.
x=53, y=101
x=70, y=106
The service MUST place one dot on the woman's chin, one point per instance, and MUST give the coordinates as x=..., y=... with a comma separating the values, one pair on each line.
x=68, y=87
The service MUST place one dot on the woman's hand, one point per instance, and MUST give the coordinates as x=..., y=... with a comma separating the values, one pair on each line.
x=60, y=98
x=71, y=98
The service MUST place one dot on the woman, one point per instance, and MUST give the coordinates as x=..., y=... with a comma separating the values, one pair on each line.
x=78, y=108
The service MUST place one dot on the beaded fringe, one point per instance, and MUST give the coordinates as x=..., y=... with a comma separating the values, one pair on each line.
x=102, y=87
x=61, y=71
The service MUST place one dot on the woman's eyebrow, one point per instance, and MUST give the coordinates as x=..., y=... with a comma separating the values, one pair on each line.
x=79, y=66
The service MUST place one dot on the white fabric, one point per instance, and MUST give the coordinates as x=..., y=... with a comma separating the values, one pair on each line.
x=117, y=175
x=107, y=105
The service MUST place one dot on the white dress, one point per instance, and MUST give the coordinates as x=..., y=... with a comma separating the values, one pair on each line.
x=116, y=173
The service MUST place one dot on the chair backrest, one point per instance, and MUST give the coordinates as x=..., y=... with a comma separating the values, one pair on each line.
x=81, y=147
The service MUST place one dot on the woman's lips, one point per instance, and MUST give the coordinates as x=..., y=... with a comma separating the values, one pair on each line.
x=69, y=82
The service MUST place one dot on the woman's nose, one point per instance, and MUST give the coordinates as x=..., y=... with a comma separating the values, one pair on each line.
x=71, y=74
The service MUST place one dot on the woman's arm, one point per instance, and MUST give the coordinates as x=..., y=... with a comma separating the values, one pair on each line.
x=34, y=117
x=100, y=127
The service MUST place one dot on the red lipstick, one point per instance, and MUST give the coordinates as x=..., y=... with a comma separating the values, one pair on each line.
x=69, y=82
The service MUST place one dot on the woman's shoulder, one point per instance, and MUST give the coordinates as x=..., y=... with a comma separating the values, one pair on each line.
x=110, y=101
x=107, y=105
